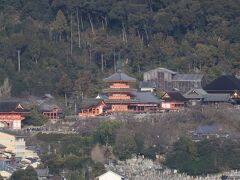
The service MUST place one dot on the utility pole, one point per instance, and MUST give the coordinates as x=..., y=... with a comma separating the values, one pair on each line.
x=75, y=108
x=114, y=59
x=71, y=40
x=19, y=60
x=102, y=62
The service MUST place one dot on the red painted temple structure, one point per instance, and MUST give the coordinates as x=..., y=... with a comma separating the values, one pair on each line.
x=11, y=115
x=120, y=97
x=173, y=101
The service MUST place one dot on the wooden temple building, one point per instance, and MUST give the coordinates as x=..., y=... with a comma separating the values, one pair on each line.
x=12, y=114
x=120, y=97
x=226, y=85
x=51, y=111
x=173, y=101
x=48, y=106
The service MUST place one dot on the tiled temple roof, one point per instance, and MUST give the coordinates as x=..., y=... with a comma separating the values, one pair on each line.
x=119, y=77
x=225, y=83
x=11, y=106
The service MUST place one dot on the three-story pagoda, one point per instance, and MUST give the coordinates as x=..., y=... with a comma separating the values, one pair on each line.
x=119, y=92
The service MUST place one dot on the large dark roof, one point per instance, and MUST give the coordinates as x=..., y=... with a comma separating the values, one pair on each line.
x=119, y=77
x=11, y=106
x=225, y=83
x=188, y=77
x=174, y=96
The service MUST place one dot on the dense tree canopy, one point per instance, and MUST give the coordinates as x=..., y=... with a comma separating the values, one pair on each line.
x=209, y=156
x=28, y=174
x=66, y=47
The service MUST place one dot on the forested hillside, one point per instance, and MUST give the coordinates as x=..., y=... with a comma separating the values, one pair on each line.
x=68, y=46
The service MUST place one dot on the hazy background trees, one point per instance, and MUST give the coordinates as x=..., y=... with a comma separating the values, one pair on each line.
x=83, y=41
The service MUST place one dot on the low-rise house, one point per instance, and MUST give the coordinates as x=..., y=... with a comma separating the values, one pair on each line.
x=185, y=82
x=13, y=142
x=173, y=101
x=161, y=76
x=208, y=131
x=11, y=114
x=166, y=80
x=195, y=96
x=110, y=175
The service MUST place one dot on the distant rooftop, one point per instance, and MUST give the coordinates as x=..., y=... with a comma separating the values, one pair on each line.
x=225, y=83
x=195, y=93
x=147, y=84
x=119, y=77
x=174, y=96
x=188, y=77
x=209, y=129
x=163, y=70
x=48, y=107
x=216, y=97
x=42, y=172
x=11, y=106
x=146, y=97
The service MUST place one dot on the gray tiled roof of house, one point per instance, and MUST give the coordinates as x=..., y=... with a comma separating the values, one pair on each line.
x=146, y=97
x=188, y=77
x=208, y=129
x=195, y=94
x=216, y=97
x=147, y=84
x=119, y=76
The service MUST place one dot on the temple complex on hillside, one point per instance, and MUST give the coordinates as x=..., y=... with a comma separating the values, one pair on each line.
x=11, y=115
x=120, y=97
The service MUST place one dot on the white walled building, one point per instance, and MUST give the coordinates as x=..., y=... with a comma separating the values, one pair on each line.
x=110, y=176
